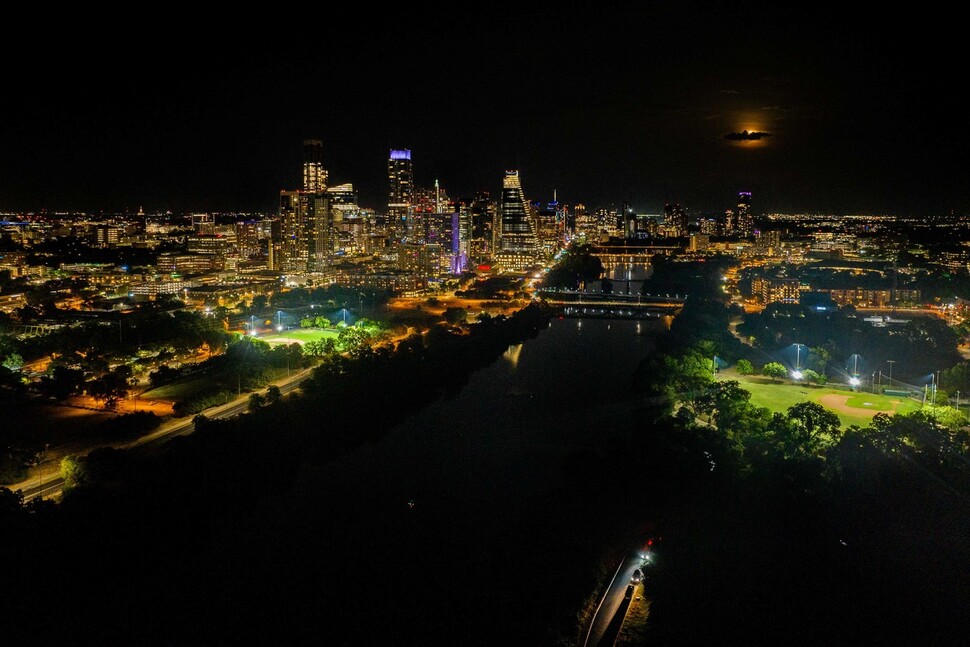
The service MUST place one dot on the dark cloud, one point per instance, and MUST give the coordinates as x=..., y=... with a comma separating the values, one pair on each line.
x=730, y=92
x=745, y=136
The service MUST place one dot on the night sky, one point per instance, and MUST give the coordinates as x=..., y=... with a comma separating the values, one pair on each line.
x=628, y=103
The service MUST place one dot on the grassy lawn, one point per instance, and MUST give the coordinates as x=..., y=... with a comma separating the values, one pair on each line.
x=201, y=384
x=778, y=396
x=181, y=388
x=301, y=336
x=867, y=401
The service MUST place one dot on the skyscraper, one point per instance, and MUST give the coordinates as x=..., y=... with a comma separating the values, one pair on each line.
x=518, y=245
x=400, y=199
x=484, y=232
x=306, y=223
x=314, y=175
x=306, y=231
x=247, y=238
x=743, y=217
x=293, y=249
x=676, y=217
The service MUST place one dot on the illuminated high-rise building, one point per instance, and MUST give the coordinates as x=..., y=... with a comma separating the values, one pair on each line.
x=306, y=238
x=426, y=204
x=484, y=228
x=675, y=217
x=462, y=236
x=306, y=231
x=518, y=242
x=350, y=225
x=710, y=226
x=204, y=224
x=314, y=175
x=293, y=256
x=400, y=198
x=247, y=239
x=743, y=218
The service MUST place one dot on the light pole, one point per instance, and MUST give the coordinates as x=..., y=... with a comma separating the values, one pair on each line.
x=279, y=320
x=797, y=373
x=252, y=325
x=890, y=362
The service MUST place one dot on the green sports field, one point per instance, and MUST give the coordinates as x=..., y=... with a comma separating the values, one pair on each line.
x=852, y=408
x=301, y=336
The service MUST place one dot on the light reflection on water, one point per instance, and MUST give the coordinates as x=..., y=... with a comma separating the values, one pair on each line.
x=511, y=355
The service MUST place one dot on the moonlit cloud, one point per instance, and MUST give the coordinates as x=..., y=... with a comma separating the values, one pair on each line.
x=747, y=136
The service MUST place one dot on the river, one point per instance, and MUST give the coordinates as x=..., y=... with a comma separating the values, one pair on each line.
x=471, y=522
x=504, y=434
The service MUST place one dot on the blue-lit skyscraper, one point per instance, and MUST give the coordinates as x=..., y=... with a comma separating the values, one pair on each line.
x=400, y=199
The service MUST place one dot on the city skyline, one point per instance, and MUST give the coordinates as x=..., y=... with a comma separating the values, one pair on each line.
x=640, y=105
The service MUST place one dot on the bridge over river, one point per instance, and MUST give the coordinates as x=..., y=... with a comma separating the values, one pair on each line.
x=614, y=306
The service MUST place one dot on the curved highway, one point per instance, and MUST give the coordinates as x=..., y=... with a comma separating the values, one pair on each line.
x=611, y=612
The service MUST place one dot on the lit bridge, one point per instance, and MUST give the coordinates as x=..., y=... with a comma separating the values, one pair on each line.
x=614, y=306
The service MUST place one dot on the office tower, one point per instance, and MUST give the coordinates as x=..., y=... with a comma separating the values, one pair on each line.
x=743, y=218
x=484, y=232
x=710, y=226
x=420, y=259
x=518, y=244
x=319, y=231
x=675, y=217
x=204, y=224
x=107, y=235
x=699, y=242
x=306, y=231
x=462, y=236
x=293, y=250
x=351, y=227
x=247, y=239
x=400, y=199
x=314, y=175
x=342, y=195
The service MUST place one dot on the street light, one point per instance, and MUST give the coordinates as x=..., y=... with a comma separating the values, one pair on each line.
x=252, y=325
x=279, y=320
x=890, y=362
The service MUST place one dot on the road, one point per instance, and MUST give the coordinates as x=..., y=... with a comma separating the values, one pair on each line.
x=609, y=616
x=153, y=442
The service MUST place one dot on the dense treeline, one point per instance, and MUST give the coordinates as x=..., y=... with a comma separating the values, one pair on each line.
x=576, y=267
x=146, y=328
x=785, y=525
x=332, y=294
